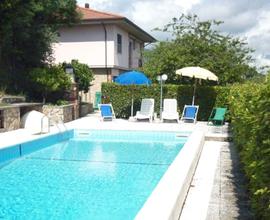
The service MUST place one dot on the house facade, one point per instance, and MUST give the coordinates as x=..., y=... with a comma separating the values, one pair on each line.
x=108, y=43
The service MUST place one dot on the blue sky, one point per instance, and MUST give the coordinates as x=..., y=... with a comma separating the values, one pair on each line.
x=247, y=19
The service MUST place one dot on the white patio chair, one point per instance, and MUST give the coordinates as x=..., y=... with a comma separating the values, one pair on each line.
x=147, y=110
x=170, y=110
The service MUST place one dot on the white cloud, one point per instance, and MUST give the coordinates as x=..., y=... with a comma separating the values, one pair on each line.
x=246, y=19
x=259, y=36
x=148, y=14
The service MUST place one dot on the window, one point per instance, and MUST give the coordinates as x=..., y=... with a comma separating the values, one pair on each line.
x=130, y=54
x=114, y=78
x=134, y=45
x=119, y=43
x=140, y=63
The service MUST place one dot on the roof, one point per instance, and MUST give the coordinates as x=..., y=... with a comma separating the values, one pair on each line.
x=90, y=16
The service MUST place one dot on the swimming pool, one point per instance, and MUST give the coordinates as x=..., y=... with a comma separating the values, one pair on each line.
x=91, y=174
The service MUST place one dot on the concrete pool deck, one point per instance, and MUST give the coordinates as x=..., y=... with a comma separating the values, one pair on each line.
x=205, y=194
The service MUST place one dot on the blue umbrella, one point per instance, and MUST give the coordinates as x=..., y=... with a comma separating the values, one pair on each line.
x=132, y=78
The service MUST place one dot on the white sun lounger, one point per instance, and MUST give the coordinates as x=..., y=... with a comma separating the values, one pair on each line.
x=170, y=110
x=147, y=110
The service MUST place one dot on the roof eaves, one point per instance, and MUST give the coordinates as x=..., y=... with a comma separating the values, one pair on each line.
x=137, y=27
x=112, y=19
x=124, y=20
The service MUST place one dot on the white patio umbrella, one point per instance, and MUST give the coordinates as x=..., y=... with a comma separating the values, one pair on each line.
x=197, y=73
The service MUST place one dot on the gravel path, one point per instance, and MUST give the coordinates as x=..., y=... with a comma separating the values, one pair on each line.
x=229, y=198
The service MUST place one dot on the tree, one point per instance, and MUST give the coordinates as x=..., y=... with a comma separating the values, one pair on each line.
x=199, y=43
x=27, y=29
x=48, y=80
x=83, y=74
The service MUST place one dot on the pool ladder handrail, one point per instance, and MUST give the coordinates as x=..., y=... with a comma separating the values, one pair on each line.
x=56, y=123
x=60, y=122
x=41, y=125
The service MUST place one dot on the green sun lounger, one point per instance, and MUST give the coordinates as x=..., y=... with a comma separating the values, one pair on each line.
x=217, y=116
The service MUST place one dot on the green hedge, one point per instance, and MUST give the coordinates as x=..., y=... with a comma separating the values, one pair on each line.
x=120, y=97
x=250, y=118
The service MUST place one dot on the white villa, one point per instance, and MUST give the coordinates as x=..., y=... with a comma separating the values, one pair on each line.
x=108, y=43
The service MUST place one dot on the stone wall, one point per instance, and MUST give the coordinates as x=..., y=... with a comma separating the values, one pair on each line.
x=10, y=115
x=12, y=99
x=11, y=118
x=25, y=109
x=85, y=108
x=58, y=114
x=1, y=120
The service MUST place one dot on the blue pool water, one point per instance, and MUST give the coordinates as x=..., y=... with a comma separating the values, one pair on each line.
x=94, y=175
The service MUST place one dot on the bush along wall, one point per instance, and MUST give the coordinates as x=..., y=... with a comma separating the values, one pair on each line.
x=120, y=96
x=250, y=119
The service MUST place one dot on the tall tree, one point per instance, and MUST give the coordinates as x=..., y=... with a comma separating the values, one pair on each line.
x=27, y=30
x=199, y=43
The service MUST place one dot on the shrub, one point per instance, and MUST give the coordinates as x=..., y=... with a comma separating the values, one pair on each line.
x=250, y=117
x=61, y=102
x=84, y=75
x=48, y=81
x=120, y=96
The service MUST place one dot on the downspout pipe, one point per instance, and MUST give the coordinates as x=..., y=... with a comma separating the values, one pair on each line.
x=106, y=50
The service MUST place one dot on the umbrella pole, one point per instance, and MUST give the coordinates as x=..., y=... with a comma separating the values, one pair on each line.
x=132, y=99
x=194, y=91
x=132, y=106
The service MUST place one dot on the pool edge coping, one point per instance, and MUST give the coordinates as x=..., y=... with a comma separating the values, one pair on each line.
x=167, y=199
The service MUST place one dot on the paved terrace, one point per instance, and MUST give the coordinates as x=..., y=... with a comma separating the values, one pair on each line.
x=217, y=190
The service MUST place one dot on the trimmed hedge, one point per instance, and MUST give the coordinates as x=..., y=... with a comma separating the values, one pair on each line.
x=120, y=96
x=250, y=120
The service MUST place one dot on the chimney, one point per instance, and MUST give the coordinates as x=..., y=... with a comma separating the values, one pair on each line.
x=86, y=5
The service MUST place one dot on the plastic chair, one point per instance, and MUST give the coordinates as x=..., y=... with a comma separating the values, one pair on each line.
x=217, y=116
x=170, y=110
x=190, y=113
x=147, y=110
x=106, y=111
